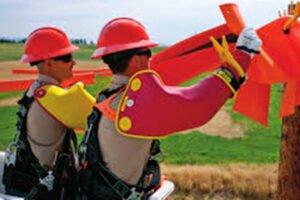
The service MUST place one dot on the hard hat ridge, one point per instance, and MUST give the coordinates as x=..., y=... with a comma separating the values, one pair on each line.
x=46, y=42
x=122, y=34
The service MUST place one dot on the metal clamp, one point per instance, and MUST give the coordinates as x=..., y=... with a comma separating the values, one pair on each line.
x=134, y=195
x=48, y=181
x=11, y=154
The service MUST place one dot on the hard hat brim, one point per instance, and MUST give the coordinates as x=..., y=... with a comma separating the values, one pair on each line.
x=100, y=52
x=33, y=58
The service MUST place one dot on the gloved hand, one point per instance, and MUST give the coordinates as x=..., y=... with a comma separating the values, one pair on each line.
x=249, y=41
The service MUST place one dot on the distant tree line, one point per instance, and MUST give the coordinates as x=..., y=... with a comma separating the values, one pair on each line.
x=82, y=42
x=7, y=40
x=23, y=40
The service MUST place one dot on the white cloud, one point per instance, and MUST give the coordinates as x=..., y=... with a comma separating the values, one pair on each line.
x=166, y=20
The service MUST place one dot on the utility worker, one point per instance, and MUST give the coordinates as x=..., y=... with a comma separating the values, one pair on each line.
x=118, y=150
x=40, y=162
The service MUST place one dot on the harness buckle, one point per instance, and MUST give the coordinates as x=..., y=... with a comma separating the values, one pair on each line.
x=23, y=111
x=11, y=154
x=82, y=150
x=82, y=153
x=48, y=181
x=134, y=195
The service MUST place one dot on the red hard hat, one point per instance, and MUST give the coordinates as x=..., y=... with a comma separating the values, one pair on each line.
x=122, y=34
x=47, y=42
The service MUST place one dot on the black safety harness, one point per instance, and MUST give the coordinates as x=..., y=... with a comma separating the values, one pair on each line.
x=24, y=176
x=96, y=180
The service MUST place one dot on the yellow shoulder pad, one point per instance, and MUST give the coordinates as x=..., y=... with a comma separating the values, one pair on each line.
x=69, y=106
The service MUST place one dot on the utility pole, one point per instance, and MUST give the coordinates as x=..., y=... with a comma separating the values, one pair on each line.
x=289, y=165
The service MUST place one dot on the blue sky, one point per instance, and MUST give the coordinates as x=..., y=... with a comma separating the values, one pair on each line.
x=167, y=21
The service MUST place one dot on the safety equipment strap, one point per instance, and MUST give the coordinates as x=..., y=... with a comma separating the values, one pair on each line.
x=94, y=173
x=23, y=172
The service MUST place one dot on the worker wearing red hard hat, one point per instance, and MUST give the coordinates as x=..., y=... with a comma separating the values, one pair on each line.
x=40, y=161
x=117, y=154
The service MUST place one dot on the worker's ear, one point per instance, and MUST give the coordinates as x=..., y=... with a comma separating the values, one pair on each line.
x=132, y=66
x=48, y=66
x=47, y=62
x=134, y=60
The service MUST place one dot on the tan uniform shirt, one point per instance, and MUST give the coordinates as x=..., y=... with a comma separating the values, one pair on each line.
x=45, y=134
x=126, y=157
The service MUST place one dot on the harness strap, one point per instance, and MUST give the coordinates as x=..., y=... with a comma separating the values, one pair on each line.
x=112, y=181
x=53, y=179
x=26, y=173
x=91, y=158
x=90, y=142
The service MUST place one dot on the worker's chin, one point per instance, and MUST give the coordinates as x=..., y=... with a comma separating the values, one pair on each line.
x=69, y=76
x=66, y=77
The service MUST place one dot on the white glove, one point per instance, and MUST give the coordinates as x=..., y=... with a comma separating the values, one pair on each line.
x=249, y=41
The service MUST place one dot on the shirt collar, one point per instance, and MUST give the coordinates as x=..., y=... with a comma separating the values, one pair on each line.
x=118, y=80
x=41, y=80
x=47, y=79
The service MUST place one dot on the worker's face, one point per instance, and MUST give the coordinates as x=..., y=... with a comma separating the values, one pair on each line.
x=61, y=67
x=144, y=56
x=140, y=61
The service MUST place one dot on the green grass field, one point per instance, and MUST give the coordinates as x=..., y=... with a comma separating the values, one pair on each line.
x=260, y=144
x=10, y=51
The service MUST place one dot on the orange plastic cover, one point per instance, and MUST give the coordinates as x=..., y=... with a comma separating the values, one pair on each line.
x=279, y=62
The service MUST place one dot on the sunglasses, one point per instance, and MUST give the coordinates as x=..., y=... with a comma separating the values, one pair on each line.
x=65, y=58
x=147, y=53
